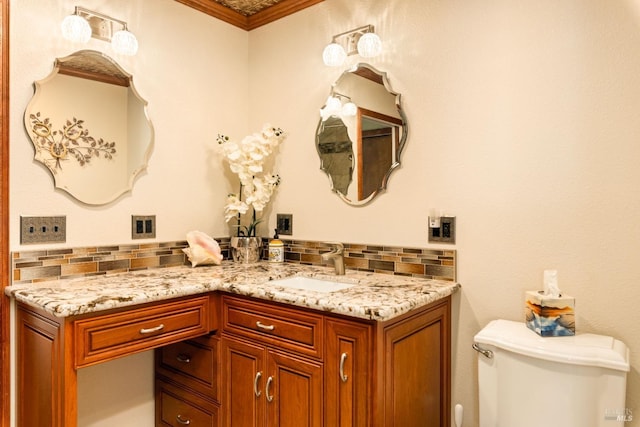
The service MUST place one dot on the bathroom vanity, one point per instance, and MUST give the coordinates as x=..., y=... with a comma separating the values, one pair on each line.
x=234, y=349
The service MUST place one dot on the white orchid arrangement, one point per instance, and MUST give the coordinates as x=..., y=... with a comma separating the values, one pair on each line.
x=246, y=159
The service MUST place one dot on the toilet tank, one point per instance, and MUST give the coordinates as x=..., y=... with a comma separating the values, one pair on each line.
x=526, y=380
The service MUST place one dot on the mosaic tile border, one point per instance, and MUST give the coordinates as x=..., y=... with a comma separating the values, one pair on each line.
x=416, y=262
x=67, y=263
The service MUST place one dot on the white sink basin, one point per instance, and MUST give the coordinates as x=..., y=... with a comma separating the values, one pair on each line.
x=311, y=284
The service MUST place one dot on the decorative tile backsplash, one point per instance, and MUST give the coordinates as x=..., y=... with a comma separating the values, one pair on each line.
x=55, y=264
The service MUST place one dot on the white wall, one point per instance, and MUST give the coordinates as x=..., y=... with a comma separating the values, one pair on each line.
x=522, y=123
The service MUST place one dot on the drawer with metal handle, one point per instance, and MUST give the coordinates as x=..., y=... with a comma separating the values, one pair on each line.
x=284, y=327
x=101, y=338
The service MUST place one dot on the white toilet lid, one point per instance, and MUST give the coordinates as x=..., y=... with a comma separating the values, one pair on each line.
x=580, y=349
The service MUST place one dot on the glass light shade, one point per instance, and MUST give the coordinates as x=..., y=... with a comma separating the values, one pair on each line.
x=349, y=109
x=334, y=55
x=369, y=45
x=76, y=29
x=334, y=106
x=124, y=42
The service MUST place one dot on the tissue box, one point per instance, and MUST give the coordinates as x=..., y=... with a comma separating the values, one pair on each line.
x=549, y=316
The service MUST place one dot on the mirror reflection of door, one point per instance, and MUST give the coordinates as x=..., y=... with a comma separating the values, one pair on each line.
x=378, y=138
x=367, y=111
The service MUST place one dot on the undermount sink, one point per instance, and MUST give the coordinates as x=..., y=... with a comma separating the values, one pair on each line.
x=311, y=284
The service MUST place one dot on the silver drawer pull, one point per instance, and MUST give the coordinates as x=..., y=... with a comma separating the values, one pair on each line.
x=152, y=330
x=486, y=353
x=255, y=384
x=266, y=389
x=183, y=421
x=343, y=377
x=261, y=325
x=183, y=358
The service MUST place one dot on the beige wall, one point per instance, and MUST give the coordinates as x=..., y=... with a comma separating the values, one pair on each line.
x=522, y=123
x=192, y=69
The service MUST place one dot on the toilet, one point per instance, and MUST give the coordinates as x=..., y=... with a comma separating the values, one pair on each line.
x=526, y=380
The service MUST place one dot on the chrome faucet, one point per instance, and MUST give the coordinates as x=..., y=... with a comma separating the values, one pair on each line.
x=336, y=256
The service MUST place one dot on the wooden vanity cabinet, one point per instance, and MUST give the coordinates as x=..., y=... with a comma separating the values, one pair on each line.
x=285, y=366
x=272, y=371
x=394, y=373
x=50, y=349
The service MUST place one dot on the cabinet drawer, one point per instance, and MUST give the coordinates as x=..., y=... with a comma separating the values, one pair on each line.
x=193, y=363
x=284, y=327
x=101, y=338
x=178, y=409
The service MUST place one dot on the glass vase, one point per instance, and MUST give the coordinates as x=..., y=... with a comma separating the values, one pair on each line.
x=246, y=250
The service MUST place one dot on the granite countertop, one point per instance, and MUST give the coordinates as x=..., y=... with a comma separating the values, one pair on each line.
x=374, y=296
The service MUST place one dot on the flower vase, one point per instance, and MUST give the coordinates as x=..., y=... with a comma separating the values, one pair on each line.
x=246, y=250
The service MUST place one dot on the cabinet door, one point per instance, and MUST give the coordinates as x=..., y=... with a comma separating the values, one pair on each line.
x=243, y=380
x=293, y=391
x=416, y=377
x=347, y=373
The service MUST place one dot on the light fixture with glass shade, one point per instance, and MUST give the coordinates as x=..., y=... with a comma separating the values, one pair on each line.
x=369, y=45
x=84, y=24
x=362, y=41
x=76, y=28
x=335, y=108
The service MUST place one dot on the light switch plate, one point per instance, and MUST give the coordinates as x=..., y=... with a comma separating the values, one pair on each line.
x=284, y=224
x=43, y=229
x=446, y=233
x=143, y=226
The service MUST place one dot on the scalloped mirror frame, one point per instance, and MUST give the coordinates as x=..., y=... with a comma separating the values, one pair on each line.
x=375, y=109
x=94, y=155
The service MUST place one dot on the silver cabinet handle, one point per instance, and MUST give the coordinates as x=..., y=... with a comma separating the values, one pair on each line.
x=184, y=422
x=183, y=358
x=261, y=325
x=255, y=384
x=343, y=359
x=152, y=330
x=266, y=389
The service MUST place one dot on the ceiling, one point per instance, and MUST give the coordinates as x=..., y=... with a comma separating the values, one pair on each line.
x=249, y=14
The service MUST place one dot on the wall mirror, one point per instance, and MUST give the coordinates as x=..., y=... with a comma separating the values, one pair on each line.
x=361, y=134
x=89, y=127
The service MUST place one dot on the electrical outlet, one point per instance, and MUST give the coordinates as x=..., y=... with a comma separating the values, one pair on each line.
x=446, y=232
x=143, y=226
x=284, y=224
x=43, y=229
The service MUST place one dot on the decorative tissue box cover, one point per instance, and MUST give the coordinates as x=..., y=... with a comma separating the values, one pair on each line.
x=549, y=316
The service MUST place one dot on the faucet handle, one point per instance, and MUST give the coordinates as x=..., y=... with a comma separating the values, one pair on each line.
x=337, y=246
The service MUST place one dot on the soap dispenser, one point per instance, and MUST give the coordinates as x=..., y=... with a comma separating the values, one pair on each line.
x=276, y=249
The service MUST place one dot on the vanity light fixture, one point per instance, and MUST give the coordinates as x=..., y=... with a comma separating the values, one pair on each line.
x=84, y=24
x=335, y=108
x=362, y=40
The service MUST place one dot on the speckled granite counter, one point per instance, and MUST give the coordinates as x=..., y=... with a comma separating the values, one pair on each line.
x=373, y=296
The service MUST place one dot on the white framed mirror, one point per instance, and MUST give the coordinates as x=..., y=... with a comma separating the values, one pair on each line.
x=89, y=127
x=361, y=134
